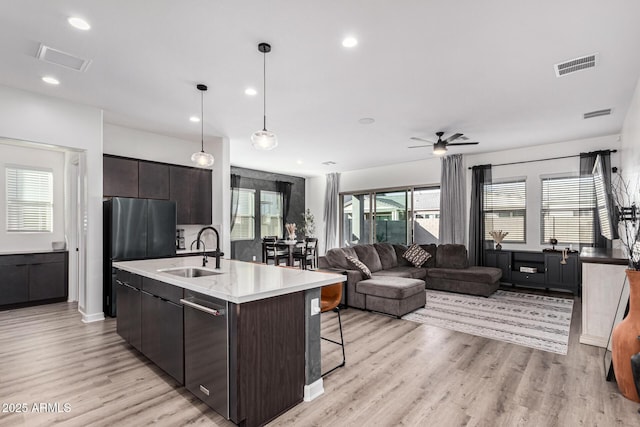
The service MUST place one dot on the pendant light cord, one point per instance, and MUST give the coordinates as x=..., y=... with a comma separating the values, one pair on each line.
x=202, y=121
x=264, y=91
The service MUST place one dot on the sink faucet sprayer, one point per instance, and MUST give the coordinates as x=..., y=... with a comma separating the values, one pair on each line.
x=217, y=253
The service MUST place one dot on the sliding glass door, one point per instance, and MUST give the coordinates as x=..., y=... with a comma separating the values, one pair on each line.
x=402, y=215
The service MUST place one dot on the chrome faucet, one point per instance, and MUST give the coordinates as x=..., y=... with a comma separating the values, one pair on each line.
x=217, y=252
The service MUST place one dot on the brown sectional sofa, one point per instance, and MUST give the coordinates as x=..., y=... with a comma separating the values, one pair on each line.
x=447, y=269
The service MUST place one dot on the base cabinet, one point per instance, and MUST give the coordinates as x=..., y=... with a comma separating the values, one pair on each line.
x=29, y=279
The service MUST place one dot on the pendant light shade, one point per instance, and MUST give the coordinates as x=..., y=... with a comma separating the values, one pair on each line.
x=264, y=139
x=201, y=158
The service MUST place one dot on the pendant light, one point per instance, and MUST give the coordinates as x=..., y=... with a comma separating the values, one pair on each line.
x=264, y=139
x=201, y=158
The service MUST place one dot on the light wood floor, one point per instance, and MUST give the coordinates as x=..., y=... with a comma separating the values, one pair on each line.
x=397, y=373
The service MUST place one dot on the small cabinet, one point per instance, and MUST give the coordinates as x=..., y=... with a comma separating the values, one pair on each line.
x=129, y=323
x=501, y=260
x=35, y=278
x=120, y=176
x=153, y=180
x=563, y=275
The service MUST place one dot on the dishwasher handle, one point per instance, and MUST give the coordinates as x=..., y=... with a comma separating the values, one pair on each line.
x=207, y=310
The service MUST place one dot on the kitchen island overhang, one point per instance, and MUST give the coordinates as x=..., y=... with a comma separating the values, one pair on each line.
x=273, y=328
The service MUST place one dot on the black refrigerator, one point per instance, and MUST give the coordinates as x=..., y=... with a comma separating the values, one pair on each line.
x=135, y=229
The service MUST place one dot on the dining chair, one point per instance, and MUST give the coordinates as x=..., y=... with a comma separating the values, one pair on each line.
x=272, y=251
x=307, y=254
x=330, y=297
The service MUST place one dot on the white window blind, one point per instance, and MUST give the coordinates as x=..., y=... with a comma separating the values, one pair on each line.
x=270, y=214
x=505, y=206
x=29, y=200
x=567, y=210
x=245, y=221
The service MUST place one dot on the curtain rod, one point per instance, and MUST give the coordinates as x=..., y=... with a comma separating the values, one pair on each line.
x=548, y=158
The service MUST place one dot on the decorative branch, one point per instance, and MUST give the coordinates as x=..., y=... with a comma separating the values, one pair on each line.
x=498, y=235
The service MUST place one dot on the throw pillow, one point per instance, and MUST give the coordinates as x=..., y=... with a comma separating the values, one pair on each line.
x=416, y=255
x=360, y=266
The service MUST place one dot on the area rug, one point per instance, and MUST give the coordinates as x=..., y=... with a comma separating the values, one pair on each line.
x=535, y=321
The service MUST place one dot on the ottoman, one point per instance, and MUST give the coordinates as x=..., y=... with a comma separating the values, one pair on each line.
x=396, y=296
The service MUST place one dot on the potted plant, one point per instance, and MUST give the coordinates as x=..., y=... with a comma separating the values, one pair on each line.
x=624, y=340
x=308, y=224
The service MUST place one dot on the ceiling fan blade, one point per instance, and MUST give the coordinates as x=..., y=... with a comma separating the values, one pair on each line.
x=453, y=137
x=418, y=146
x=464, y=143
x=415, y=138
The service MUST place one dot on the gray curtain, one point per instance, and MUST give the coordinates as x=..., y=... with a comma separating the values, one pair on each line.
x=235, y=193
x=480, y=175
x=452, y=195
x=587, y=161
x=284, y=188
x=331, y=211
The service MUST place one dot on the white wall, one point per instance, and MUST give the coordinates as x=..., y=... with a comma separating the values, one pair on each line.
x=127, y=142
x=40, y=158
x=631, y=145
x=31, y=117
x=427, y=172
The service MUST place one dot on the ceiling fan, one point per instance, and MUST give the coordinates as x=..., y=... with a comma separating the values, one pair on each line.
x=440, y=146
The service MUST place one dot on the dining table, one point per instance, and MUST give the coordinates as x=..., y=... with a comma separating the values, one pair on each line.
x=282, y=243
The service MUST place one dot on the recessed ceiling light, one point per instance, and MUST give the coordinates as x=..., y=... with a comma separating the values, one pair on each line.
x=50, y=80
x=250, y=91
x=194, y=119
x=299, y=161
x=350, y=42
x=79, y=23
x=366, y=121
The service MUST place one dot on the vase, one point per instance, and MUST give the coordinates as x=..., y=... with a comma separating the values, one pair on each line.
x=292, y=236
x=624, y=340
x=498, y=246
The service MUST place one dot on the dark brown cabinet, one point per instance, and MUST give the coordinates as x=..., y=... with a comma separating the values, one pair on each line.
x=153, y=180
x=189, y=187
x=120, y=177
x=129, y=324
x=28, y=279
x=537, y=269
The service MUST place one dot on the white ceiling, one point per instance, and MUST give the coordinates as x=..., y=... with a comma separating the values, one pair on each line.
x=482, y=68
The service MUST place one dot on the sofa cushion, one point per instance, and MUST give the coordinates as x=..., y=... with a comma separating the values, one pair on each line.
x=452, y=256
x=471, y=274
x=336, y=257
x=369, y=255
x=390, y=287
x=400, y=250
x=387, y=255
x=359, y=265
x=416, y=255
x=432, y=248
x=402, y=271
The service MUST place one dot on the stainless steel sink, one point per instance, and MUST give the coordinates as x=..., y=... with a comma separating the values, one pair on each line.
x=189, y=271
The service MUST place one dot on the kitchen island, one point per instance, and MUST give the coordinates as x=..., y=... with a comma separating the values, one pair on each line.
x=244, y=338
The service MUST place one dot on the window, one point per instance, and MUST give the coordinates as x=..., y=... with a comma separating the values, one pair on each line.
x=567, y=210
x=426, y=215
x=29, y=200
x=270, y=214
x=245, y=223
x=505, y=205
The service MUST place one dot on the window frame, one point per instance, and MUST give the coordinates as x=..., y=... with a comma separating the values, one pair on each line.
x=252, y=217
x=580, y=203
x=280, y=217
x=48, y=205
x=510, y=180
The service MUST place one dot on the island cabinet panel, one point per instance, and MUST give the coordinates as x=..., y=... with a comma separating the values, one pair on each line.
x=120, y=177
x=153, y=181
x=129, y=323
x=267, y=355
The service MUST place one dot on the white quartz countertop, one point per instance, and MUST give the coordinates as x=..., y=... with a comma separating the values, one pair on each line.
x=238, y=282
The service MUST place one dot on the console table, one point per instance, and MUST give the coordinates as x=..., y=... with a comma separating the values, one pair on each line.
x=603, y=279
x=537, y=269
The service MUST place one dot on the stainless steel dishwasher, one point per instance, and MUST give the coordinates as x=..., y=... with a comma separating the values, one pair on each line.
x=206, y=350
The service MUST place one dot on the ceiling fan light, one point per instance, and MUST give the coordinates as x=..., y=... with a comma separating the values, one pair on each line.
x=264, y=140
x=439, y=149
x=202, y=159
